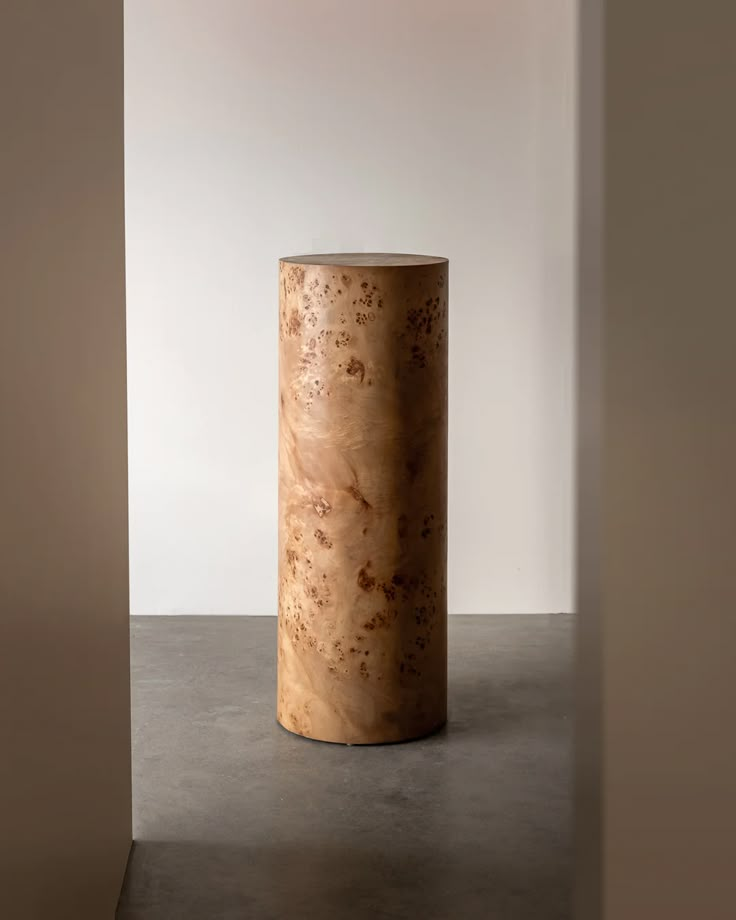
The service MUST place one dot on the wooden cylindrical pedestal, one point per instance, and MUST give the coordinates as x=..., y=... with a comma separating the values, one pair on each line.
x=362, y=628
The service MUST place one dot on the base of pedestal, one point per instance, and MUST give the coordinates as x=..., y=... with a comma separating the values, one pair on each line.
x=400, y=739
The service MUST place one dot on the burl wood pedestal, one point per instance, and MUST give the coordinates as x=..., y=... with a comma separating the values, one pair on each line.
x=362, y=628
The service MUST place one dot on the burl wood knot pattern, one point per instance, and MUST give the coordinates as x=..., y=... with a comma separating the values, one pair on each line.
x=362, y=627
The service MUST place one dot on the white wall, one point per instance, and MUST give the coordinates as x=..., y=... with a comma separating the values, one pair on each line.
x=257, y=129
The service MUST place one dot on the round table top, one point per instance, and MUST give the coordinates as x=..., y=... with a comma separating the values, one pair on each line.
x=360, y=259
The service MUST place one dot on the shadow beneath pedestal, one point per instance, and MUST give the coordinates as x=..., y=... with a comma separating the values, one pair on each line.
x=502, y=685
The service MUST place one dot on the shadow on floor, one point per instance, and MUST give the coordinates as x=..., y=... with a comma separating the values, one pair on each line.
x=200, y=881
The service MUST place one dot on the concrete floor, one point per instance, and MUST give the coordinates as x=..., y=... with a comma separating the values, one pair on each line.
x=235, y=818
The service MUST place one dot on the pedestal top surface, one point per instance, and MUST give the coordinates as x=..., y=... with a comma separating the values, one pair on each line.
x=359, y=259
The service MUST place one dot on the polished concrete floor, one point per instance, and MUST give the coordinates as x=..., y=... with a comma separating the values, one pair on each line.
x=235, y=819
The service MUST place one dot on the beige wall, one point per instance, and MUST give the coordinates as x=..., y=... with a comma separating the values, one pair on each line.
x=64, y=684
x=666, y=528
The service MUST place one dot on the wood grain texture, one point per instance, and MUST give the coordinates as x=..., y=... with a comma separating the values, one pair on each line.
x=362, y=640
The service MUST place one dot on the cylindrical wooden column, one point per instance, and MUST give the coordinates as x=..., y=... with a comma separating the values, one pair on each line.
x=362, y=628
